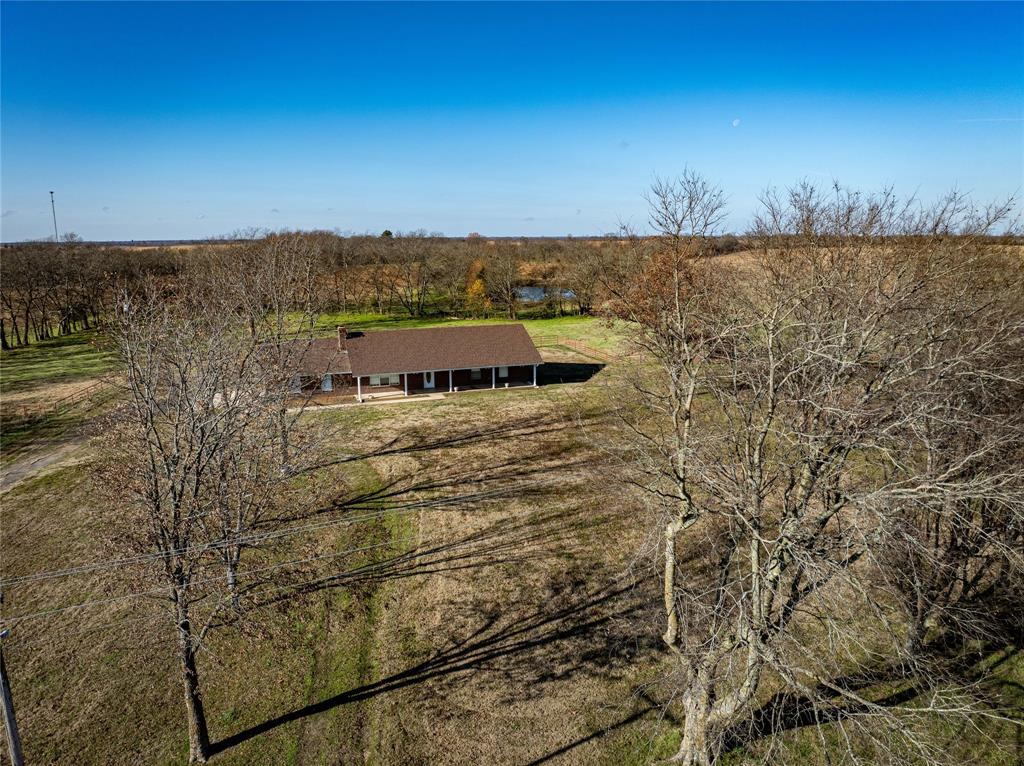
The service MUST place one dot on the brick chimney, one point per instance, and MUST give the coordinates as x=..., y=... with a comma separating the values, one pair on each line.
x=342, y=335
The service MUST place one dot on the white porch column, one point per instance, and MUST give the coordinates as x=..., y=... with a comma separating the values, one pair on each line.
x=534, y=376
x=405, y=379
x=359, y=388
x=494, y=378
x=451, y=377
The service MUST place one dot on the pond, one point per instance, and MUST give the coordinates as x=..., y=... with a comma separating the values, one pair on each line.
x=534, y=294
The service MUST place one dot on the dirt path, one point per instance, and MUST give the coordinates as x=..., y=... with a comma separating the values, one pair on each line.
x=33, y=465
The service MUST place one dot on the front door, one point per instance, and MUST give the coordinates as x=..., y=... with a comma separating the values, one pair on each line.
x=428, y=380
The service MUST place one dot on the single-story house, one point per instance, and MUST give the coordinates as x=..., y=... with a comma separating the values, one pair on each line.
x=417, y=361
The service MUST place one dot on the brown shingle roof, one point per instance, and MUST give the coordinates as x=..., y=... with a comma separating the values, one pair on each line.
x=321, y=355
x=440, y=348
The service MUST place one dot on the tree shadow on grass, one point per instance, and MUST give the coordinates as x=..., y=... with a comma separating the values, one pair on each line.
x=427, y=439
x=649, y=706
x=571, y=627
x=521, y=643
x=887, y=687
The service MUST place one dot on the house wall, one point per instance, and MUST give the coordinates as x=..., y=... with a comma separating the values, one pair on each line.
x=519, y=375
x=342, y=385
x=345, y=384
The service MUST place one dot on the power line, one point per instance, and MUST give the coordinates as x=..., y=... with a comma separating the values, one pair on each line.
x=219, y=544
x=336, y=576
x=15, y=619
x=153, y=617
x=143, y=558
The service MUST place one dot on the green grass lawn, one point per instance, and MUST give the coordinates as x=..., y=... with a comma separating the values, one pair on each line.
x=116, y=689
x=593, y=331
x=31, y=369
x=487, y=647
x=21, y=435
x=58, y=360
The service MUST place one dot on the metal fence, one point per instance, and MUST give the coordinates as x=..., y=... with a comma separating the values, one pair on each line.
x=94, y=393
x=573, y=344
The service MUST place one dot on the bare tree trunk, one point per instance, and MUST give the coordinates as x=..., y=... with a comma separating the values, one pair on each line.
x=282, y=426
x=17, y=331
x=231, y=565
x=695, y=750
x=669, y=584
x=198, y=735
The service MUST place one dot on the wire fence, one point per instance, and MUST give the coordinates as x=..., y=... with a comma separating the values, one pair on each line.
x=91, y=395
x=542, y=341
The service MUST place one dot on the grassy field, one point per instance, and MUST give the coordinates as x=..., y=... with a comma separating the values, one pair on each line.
x=58, y=360
x=35, y=377
x=506, y=606
x=512, y=618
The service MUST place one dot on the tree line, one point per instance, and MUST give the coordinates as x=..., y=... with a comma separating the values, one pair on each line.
x=50, y=290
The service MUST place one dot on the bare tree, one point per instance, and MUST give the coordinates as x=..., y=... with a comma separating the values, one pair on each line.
x=782, y=442
x=413, y=271
x=503, y=275
x=272, y=285
x=201, y=474
x=186, y=407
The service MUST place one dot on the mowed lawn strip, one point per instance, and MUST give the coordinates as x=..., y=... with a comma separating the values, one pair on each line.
x=47, y=391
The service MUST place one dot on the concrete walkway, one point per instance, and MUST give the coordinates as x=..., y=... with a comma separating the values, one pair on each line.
x=370, y=400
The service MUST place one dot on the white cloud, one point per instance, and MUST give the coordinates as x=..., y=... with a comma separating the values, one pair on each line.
x=736, y=122
x=7, y=213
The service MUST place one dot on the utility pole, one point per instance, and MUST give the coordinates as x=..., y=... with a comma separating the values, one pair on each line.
x=53, y=209
x=7, y=703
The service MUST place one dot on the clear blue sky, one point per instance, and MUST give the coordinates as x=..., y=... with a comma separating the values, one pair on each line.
x=185, y=120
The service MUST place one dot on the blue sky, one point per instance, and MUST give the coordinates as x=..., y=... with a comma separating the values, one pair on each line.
x=185, y=120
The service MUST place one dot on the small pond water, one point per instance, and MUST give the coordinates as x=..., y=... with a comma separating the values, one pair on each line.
x=534, y=294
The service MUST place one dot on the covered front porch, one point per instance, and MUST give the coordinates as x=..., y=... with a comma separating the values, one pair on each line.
x=441, y=381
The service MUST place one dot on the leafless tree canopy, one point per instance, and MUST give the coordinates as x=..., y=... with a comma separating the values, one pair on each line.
x=48, y=290
x=205, y=444
x=825, y=429
x=831, y=436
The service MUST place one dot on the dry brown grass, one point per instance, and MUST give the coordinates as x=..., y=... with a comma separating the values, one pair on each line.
x=494, y=632
x=524, y=628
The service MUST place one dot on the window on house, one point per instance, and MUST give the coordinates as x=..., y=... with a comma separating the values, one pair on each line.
x=384, y=380
x=503, y=372
x=327, y=383
x=474, y=374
